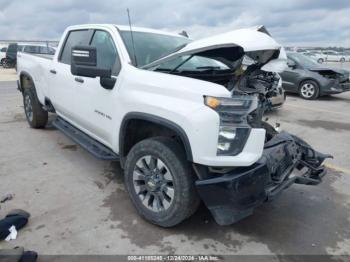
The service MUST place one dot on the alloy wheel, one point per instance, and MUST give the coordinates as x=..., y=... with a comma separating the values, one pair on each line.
x=153, y=183
x=307, y=90
x=28, y=107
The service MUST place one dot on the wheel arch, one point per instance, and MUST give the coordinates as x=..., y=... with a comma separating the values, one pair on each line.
x=24, y=79
x=127, y=140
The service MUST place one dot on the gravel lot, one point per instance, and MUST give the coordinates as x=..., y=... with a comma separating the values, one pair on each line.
x=79, y=204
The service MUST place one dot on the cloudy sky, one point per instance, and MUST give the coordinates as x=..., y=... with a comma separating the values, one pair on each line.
x=291, y=22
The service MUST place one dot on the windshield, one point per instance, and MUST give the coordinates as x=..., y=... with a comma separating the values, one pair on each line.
x=192, y=63
x=303, y=60
x=151, y=46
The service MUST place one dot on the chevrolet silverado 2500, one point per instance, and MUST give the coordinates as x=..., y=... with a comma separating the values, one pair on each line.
x=184, y=118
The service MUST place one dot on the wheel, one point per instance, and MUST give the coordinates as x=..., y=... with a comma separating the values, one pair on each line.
x=320, y=60
x=2, y=61
x=309, y=90
x=160, y=182
x=36, y=116
x=342, y=59
x=5, y=63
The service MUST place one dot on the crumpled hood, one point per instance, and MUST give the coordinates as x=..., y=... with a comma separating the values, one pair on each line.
x=250, y=40
x=335, y=70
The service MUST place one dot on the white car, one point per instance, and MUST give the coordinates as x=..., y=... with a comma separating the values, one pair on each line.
x=184, y=118
x=329, y=56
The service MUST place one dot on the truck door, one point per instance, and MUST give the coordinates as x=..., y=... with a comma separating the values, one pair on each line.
x=63, y=87
x=96, y=105
x=289, y=76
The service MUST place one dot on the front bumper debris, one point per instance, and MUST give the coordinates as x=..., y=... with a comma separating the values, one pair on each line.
x=235, y=194
x=337, y=88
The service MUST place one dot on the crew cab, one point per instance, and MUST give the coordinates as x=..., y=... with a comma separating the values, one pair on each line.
x=183, y=117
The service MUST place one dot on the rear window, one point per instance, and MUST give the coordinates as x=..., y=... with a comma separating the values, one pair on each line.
x=31, y=49
x=4, y=49
x=78, y=37
x=46, y=50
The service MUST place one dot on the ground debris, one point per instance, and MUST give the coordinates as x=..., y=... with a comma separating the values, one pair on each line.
x=6, y=198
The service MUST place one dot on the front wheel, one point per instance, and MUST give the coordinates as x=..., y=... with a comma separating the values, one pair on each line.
x=309, y=90
x=36, y=116
x=342, y=59
x=160, y=182
x=320, y=60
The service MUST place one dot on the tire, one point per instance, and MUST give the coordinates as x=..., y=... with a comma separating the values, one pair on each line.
x=320, y=60
x=342, y=60
x=176, y=197
x=5, y=63
x=36, y=116
x=309, y=90
x=2, y=61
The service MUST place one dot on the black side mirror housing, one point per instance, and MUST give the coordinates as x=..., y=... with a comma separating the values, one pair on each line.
x=84, y=63
x=292, y=65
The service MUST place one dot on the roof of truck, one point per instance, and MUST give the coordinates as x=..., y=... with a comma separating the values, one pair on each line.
x=127, y=28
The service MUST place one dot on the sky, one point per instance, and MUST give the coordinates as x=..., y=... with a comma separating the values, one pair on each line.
x=291, y=22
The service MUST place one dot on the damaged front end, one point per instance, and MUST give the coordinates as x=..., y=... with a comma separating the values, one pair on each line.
x=234, y=195
x=336, y=80
x=249, y=70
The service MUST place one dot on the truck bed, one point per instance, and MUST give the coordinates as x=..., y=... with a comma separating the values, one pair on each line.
x=37, y=66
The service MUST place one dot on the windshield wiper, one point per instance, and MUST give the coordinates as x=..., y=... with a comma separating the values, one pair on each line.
x=176, y=67
x=209, y=67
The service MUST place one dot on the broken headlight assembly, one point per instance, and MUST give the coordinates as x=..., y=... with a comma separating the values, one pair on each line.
x=234, y=129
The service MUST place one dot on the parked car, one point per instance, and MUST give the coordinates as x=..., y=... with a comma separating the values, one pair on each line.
x=346, y=55
x=11, y=56
x=184, y=118
x=2, y=54
x=307, y=78
x=329, y=56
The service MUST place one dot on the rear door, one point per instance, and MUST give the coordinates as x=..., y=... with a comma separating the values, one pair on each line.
x=289, y=77
x=63, y=85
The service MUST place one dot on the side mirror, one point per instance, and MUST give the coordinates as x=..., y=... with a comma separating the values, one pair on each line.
x=84, y=63
x=291, y=64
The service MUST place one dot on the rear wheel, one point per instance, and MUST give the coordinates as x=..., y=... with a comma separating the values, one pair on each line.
x=342, y=59
x=36, y=116
x=320, y=60
x=309, y=90
x=160, y=182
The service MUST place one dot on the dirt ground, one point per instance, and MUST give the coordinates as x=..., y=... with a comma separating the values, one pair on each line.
x=79, y=205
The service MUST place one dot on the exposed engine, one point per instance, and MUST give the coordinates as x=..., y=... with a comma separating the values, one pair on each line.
x=255, y=81
x=332, y=74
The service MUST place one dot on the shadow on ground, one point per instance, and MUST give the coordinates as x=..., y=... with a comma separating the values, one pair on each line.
x=295, y=223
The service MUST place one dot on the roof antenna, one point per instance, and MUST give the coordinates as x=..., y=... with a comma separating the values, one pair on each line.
x=132, y=37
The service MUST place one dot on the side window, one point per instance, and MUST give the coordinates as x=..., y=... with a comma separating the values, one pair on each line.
x=51, y=51
x=43, y=50
x=4, y=49
x=78, y=37
x=31, y=49
x=107, y=56
x=291, y=63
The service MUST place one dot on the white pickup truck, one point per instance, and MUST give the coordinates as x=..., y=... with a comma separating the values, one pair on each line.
x=184, y=118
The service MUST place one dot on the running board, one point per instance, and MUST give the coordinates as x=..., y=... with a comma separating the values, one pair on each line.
x=91, y=145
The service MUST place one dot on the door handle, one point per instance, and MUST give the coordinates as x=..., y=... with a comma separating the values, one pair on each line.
x=52, y=71
x=78, y=79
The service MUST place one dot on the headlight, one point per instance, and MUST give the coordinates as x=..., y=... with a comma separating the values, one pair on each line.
x=234, y=129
